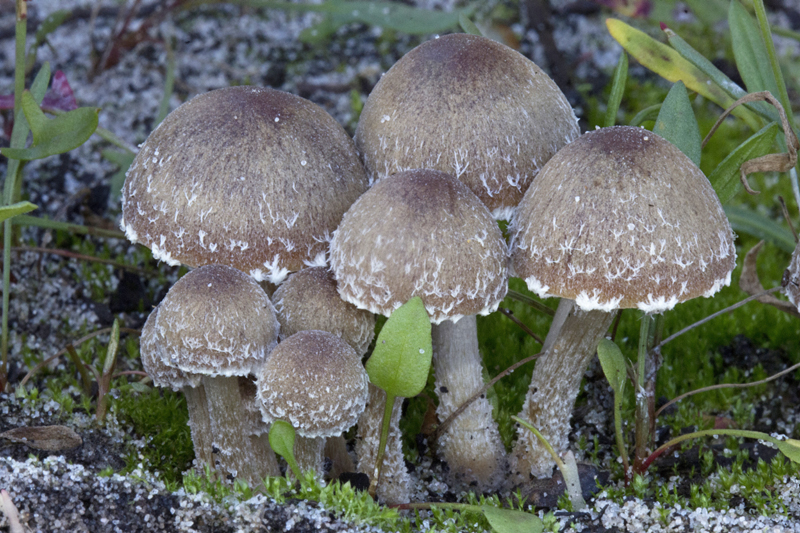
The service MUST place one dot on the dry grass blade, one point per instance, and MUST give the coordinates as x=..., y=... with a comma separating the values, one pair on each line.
x=48, y=438
x=750, y=283
x=770, y=162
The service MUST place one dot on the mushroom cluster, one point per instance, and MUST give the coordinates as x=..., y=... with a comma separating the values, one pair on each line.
x=249, y=185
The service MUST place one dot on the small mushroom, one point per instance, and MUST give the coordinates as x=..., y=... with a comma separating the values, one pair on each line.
x=216, y=322
x=424, y=233
x=620, y=218
x=248, y=177
x=471, y=107
x=315, y=381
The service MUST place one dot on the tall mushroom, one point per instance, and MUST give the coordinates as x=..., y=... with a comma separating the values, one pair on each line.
x=468, y=106
x=249, y=177
x=619, y=218
x=216, y=322
x=315, y=381
x=423, y=233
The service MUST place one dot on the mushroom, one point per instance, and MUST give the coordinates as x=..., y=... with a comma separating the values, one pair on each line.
x=423, y=233
x=468, y=106
x=792, y=277
x=315, y=381
x=620, y=218
x=217, y=322
x=308, y=300
x=249, y=177
x=164, y=375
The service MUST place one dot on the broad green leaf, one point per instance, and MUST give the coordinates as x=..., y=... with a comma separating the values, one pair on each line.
x=512, y=521
x=35, y=117
x=617, y=90
x=402, y=357
x=749, y=51
x=670, y=65
x=8, y=211
x=709, y=12
x=745, y=220
x=725, y=177
x=59, y=135
x=613, y=363
x=281, y=440
x=677, y=124
x=790, y=448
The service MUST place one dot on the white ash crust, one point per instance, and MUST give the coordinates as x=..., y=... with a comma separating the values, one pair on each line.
x=622, y=219
x=309, y=300
x=315, y=381
x=467, y=106
x=420, y=233
x=216, y=321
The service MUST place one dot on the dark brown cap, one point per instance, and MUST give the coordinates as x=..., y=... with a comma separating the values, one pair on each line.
x=308, y=300
x=249, y=177
x=471, y=107
x=216, y=321
x=315, y=381
x=420, y=233
x=621, y=218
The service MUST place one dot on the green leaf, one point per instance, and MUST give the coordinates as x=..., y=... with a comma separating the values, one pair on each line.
x=512, y=521
x=8, y=211
x=467, y=25
x=613, y=363
x=617, y=90
x=402, y=357
x=281, y=440
x=790, y=448
x=35, y=117
x=749, y=51
x=677, y=124
x=725, y=177
x=670, y=65
x=745, y=220
x=56, y=136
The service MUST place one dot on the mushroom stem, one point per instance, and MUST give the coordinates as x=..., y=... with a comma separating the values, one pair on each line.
x=200, y=424
x=471, y=445
x=341, y=462
x=555, y=385
x=231, y=437
x=395, y=483
x=308, y=454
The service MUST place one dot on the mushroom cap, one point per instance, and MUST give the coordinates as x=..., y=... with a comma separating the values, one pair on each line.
x=216, y=321
x=316, y=382
x=249, y=177
x=162, y=374
x=420, y=233
x=621, y=218
x=792, y=276
x=471, y=107
x=308, y=300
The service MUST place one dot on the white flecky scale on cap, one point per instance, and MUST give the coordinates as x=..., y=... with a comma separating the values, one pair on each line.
x=162, y=374
x=467, y=106
x=254, y=193
x=315, y=381
x=216, y=321
x=648, y=233
x=420, y=233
